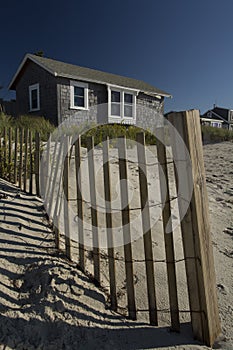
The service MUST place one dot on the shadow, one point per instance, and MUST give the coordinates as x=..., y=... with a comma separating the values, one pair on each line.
x=63, y=335
x=46, y=302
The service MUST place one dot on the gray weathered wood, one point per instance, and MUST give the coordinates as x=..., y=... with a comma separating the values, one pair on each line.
x=25, y=160
x=10, y=168
x=16, y=134
x=94, y=216
x=30, y=162
x=196, y=232
x=167, y=229
x=108, y=215
x=79, y=202
x=37, y=162
x=125, y=212
x=66, y=198
x=21, y=156
x=140, y=138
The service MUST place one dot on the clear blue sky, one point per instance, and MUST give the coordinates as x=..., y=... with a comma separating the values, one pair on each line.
x=184, y=47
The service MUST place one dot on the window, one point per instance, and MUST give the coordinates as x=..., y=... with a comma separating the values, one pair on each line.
x=34, y=97
x=78, y=95
x=122, y=105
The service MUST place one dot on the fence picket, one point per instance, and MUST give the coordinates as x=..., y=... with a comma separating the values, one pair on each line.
x=16, y=155
x=79, y=202
x=94, y=216
x=10, y=153
x=110, y=242
x=140, y=138
x=21, y=142
x=66, y=198
x=25, y=160
x=125, y=212
x=167, y=229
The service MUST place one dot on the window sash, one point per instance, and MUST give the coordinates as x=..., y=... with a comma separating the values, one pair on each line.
x=78, y=95
x=123, y=104
x=34, y=97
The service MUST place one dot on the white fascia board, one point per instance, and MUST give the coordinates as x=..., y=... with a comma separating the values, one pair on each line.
x=28, y=56
x=119, y=87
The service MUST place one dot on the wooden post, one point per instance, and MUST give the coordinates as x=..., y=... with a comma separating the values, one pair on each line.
x=37, y=162
x=21, y=156
x=125, y=212
x=79, y=202
x=66, y=198
x=196, y=230
x=25, y=160
x=140, y=138
x=94, y=217
x=16, y=155
x=110, y=241
x=167, y=229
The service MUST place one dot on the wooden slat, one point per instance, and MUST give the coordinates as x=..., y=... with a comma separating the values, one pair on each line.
x=37, y=162
x=79, y=202
x=21, y=141
x=167, y=229
x=66, y=198
x=125, y=211
x=51, y=210
x=55, y=214
x=5, y=149
x=140, y=138
x=10, y=168
x=52, y=180
x=94, y=216
x=16, y=155
x=30, y=162
x=196, y=233
x=110, y=241
x=1, y=157
x=25, y=160
x=47, y=167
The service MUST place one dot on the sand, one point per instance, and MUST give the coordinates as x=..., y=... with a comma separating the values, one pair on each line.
x=48, y=303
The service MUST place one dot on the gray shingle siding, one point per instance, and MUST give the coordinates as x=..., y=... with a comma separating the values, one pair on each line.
x=33, y=74
x=97, y=94
x=55, y=99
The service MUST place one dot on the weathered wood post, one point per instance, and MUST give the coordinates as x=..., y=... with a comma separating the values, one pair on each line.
x=195, y=228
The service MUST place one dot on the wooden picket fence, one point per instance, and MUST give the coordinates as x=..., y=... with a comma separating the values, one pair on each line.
x=20, y=163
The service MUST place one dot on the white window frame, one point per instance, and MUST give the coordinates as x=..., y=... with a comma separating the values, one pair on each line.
x=122, y=118
x=32, y=88
x=82, y=85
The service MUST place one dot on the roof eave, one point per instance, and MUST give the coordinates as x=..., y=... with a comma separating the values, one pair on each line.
x=28, y=56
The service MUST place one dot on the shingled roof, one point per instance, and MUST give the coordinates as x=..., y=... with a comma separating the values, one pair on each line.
x=71, y=71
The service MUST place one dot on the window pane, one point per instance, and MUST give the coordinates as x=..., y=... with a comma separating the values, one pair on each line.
x=128, y=98
x=128, y=111
x=78, y=91
x=116, y=96
x=34, y=99
x=115, y=110
x=78, y=101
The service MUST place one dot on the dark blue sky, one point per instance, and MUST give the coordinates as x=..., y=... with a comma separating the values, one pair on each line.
x=184, y=47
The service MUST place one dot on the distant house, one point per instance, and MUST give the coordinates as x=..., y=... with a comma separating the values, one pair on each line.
x=8, y=107
x=218, y=117
x=57, y=90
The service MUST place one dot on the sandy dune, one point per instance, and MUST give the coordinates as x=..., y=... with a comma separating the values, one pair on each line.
x=47, y=303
